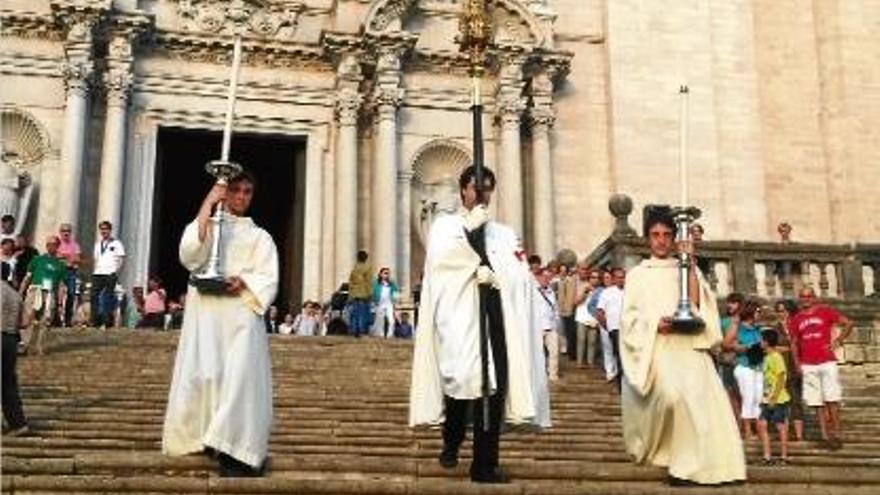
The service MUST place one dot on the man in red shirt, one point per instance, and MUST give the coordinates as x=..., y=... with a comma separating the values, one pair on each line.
x=813, y=349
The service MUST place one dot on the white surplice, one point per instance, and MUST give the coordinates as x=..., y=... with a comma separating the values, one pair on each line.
x=221, y=391
x=675, y=410
x=446, y=359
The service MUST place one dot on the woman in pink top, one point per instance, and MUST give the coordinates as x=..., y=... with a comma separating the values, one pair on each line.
x=154, y=305
x=71, y=253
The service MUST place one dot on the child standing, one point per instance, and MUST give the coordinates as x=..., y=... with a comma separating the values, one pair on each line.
x=774, y=407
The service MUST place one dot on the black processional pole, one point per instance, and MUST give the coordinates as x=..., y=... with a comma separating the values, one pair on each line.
x=476, y=34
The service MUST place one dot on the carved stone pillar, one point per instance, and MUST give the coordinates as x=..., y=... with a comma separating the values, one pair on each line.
x=542, y=118
x=348, y=103
x=117, y=83
x=385, y=211
x=510, y=106
x=77, y=70
x=404, y=237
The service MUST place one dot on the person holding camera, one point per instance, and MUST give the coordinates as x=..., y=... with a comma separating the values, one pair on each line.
x=743, y=336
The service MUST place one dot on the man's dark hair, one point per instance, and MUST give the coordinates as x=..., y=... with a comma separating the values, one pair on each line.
x=534, y=259
x=617, y=269
x=7, y=240
x=654, y=214
x=105, y=223
x=7, y=218
x=470, y=174
x=770, y=337
x=245, y=176
x=736, y=297
x=362, y=256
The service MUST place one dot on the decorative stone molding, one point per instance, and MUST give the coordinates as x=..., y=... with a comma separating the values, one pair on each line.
x=277, y=19
x=118, y=81
x=25, y=140
x=542, y=117
x=78, y=75
x=347, y=105
x=384, y=13
x=197, y=47
x=29, y=25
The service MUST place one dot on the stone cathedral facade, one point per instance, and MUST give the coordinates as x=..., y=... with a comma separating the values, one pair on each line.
x=580, y=102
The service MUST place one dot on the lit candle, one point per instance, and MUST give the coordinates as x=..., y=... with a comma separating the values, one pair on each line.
x=230, y=102
x=683, y=146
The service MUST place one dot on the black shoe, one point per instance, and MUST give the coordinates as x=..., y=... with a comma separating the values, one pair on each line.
x=231, y=467
x=680, y=482
x=496, y=475
x=448, y=458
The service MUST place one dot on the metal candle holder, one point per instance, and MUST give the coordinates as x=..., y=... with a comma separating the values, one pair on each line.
x=211, y=279
x=685, y=319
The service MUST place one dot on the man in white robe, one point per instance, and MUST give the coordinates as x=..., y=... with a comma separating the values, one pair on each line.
x=221, y=392
x=447, y=373
x=675, y=411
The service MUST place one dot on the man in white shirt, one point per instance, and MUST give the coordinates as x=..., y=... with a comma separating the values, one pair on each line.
x=608, y=314
x=548, y=319
x=109, y=254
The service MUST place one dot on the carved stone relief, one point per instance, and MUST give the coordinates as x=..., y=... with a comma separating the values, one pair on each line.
x=276, y=19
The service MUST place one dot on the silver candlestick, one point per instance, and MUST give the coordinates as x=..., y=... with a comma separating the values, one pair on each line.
x=212, y=280
x=685, y=319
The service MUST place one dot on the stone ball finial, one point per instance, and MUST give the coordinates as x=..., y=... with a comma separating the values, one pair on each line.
x=621, y=206
x=567, y=257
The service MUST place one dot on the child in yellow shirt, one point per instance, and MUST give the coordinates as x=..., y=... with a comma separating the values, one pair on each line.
x=774, y=407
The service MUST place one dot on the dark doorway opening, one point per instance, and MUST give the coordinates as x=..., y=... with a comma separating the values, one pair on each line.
x=277, y=161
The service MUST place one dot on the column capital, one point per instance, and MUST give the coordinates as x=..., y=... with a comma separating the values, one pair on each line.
x=386, y=99
x=348, y=104
x=78, y=75
x=509, y=107
x=118, y=81
x=542, y=118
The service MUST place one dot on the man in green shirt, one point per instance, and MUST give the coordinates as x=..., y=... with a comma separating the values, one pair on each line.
x=360, y=293
x=42, y=288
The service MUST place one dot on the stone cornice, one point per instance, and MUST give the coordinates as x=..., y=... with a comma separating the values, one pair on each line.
x=29, y=25
x=218, y=49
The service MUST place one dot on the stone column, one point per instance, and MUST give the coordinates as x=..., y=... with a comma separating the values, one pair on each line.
x=117, y=82
x=509, y=106
x=404, y=236
x=77, y=70
x=542, y=118
x=383, y=195
x=348, y=103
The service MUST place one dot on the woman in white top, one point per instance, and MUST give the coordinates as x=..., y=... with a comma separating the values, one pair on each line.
x=384, y=294
x=286, y=327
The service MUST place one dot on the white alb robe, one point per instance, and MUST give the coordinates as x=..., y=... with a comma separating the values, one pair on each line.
x=221, y=391
x=446, y=359
x=675, y=411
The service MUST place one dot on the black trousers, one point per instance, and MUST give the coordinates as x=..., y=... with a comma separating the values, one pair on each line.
x=485, y=439
x=570, y=328
x=12, y=410
x=615, y=345
x=103, y=299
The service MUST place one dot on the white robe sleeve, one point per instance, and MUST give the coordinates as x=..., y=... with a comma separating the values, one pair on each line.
x=638, y=331
x=426, y=387
x=194, y=253
x=261, y=275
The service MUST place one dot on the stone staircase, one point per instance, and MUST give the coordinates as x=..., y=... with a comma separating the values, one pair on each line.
x=96, y=403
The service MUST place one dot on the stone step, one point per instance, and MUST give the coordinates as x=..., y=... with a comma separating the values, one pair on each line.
x=97, y=402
